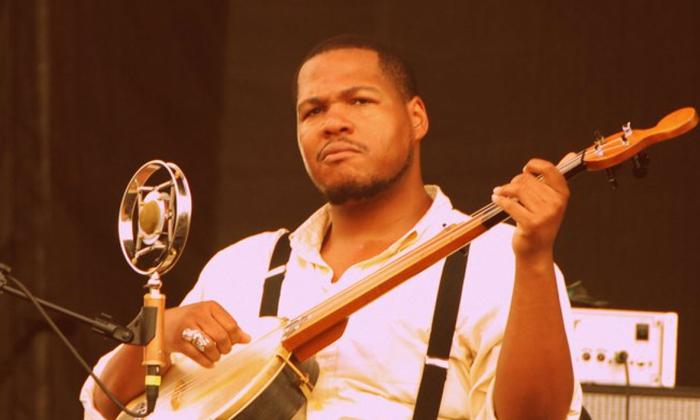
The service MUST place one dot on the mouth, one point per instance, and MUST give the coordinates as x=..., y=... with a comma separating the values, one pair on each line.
x=338, y=150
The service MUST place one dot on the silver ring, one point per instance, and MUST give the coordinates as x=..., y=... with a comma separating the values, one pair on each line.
x=196, y=337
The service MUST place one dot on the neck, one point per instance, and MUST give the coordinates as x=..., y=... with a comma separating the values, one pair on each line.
x=383, y=218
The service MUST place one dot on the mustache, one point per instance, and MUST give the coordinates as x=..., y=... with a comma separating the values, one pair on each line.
x=352, y=143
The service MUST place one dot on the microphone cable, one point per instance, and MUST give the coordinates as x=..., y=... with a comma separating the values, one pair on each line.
x=5, y=273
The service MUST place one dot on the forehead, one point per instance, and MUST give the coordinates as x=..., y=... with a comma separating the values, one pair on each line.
x=338, y=70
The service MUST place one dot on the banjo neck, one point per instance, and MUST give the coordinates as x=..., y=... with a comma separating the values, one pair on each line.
x=321, y=325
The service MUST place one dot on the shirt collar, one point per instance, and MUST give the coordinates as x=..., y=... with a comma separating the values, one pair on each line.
x=307, y=239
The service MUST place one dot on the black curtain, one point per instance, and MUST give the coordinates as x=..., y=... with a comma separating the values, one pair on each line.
x=91, y=90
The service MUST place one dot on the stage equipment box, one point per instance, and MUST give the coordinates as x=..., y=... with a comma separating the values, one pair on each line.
x=605, y=340
x=607, y=402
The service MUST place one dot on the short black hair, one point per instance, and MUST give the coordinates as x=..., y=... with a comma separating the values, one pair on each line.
x=391, y=63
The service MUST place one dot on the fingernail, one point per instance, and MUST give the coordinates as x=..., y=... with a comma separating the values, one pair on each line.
x=494, y=197
x=497, y=190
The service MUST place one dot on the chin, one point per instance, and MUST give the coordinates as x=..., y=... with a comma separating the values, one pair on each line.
x=339, y=180
x=353, y=191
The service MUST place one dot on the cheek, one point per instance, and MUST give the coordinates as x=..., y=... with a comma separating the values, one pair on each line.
x=302, y=141
x=397, y=143
x=306, y=151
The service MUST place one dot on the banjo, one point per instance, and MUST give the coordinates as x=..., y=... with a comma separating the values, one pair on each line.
x=272, y=376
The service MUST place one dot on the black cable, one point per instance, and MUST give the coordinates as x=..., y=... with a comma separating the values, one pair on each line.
x=622, y=358
x=627, y=391
x=75, y=353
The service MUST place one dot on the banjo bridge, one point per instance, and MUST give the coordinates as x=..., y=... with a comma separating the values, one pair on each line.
x=303, y=380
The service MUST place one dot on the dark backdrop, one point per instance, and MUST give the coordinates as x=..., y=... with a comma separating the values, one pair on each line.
x=91, y=90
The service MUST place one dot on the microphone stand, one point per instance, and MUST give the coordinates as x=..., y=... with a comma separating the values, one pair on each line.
x=140, y=331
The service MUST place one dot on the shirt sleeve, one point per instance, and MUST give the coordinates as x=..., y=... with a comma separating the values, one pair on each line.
x=88, y=389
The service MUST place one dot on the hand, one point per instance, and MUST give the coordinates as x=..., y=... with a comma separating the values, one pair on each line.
x=537, y=205
x=208, y=317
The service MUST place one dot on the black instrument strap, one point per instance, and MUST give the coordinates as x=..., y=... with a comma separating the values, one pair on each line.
x=273, y=284
x=442, y=330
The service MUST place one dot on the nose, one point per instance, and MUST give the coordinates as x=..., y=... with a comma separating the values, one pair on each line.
x=337, y=123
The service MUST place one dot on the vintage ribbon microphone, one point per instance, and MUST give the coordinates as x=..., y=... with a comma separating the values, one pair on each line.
x=154, y=220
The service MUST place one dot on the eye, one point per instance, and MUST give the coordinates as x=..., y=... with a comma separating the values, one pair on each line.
x=311, y=112
x=360, y=101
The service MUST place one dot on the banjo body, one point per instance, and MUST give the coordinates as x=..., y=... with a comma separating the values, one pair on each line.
x=254, y=381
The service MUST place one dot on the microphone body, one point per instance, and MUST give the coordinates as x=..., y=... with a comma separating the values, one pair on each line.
x=154, y=352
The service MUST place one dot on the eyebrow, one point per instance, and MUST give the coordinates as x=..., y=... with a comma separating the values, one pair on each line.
x=344, y=94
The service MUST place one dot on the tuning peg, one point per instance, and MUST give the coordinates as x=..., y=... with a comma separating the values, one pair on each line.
x=641, y=165
x=598, y=141
x=612, y=180
x=626, y=132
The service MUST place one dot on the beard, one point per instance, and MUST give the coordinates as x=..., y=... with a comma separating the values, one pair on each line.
x=357, y=190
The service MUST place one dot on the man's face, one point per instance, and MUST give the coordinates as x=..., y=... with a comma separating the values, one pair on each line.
x=355, y=130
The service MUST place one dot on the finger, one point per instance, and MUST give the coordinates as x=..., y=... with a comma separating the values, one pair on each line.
x=211, y=351
x=220, y=340
x=511, y=206
x=236, y=334
x=527, y=190
x=189, y=350
x=550, y=174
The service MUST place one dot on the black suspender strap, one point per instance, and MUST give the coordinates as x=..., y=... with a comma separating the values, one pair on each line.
x=443, y=327
x=273, y=283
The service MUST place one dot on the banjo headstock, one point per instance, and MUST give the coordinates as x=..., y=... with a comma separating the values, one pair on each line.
x=614, y=149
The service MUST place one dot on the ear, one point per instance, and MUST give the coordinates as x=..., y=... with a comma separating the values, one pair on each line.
x=419, y=117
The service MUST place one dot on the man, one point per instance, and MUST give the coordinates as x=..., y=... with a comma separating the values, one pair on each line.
x=360, y=123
